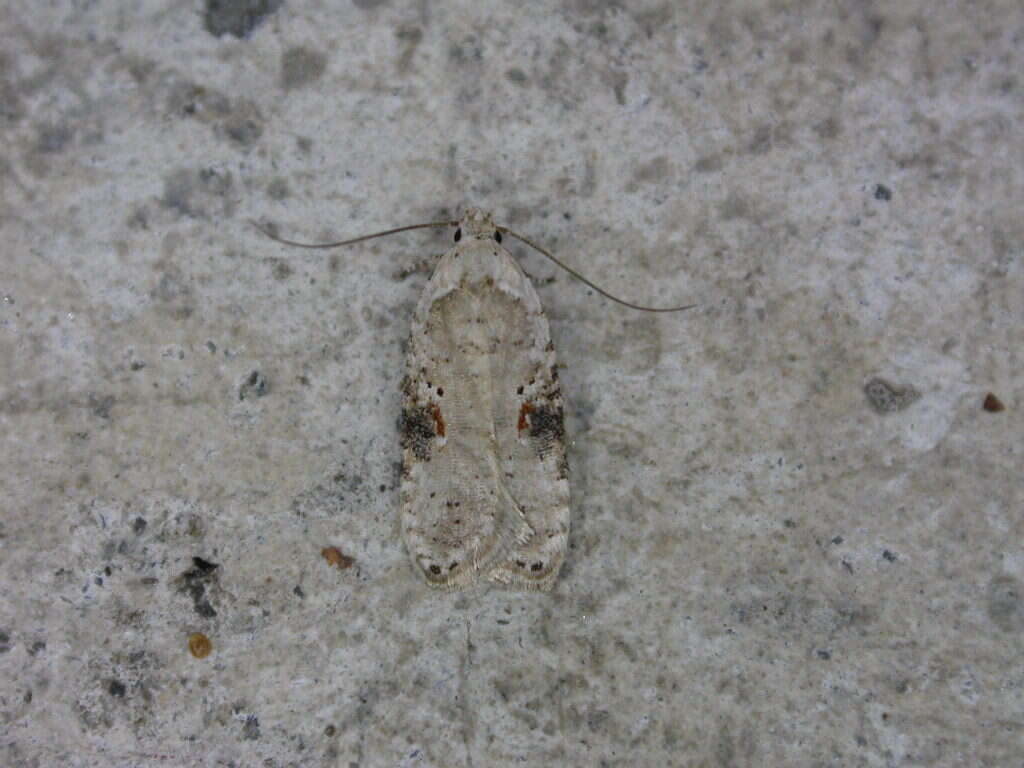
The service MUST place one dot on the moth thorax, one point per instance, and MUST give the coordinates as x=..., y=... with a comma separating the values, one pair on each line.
x=477, y=223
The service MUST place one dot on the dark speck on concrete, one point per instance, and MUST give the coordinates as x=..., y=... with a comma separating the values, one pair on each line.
x=189, y=192
x=244, y=125
x=281, y=269
x=466, y=52
x=655, y=170
x=278, y=189
x=409, y=34
x=5, y=642
x=882, y=192
x=596, y=719
x=251, y=729
x=828, y=128
x=301, y=66
x=1006, y=603
x=204, y=566
x=101, y=405
x=255, y=385
x=823, y=654
x=139, y=525
x=708, y=164
x=53, y=138
x=237, y=17
x=891, y=557
x=885, y=398
x=194, y=582
x=116, y=688
x=762, y=140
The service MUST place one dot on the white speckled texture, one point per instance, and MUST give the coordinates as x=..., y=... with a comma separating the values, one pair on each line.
x=765, y=567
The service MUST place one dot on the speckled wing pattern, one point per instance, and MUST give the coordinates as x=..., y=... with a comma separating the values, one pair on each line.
x=485, y=493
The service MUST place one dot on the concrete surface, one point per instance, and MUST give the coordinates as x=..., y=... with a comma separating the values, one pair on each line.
x=797, y=531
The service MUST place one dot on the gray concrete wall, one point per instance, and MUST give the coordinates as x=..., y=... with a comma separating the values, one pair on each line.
x=796, y=528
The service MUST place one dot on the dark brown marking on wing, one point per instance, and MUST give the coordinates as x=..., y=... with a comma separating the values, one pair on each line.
x=417, y=428
x=547, y=423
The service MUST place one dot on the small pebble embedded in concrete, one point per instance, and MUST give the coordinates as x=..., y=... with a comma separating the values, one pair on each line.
x=335, y=557
x=199, y=645
x=993, y=404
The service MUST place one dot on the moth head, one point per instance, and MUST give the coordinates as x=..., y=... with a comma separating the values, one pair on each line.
x=477, y=223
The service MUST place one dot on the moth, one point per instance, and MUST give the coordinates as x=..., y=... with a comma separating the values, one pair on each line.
x=485, y=489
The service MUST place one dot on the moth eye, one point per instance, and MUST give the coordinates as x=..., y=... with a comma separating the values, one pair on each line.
x=458, y=234
x=497, y=235
x=435, y=569
x=520, y=563
x=536, y=566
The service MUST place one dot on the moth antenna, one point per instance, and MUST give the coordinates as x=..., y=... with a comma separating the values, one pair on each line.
x=587, y=282
x=353, y=240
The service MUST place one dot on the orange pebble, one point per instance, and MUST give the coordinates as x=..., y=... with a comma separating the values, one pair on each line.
x=335, y=557
x=200, y=645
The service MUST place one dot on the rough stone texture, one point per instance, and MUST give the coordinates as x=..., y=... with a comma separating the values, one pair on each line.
x=766, y=566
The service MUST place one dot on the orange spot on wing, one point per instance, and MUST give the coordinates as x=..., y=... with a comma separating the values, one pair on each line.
x=525, y=411
x=435, y=411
